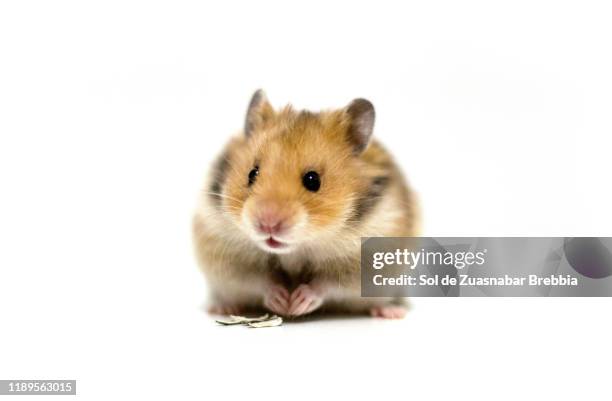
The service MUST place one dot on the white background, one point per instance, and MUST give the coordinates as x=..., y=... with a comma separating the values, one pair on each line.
x=110, y=113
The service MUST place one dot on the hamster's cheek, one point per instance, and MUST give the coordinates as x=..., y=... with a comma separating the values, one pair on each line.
x=245, y=217
x=323, y=215
x=232, y=208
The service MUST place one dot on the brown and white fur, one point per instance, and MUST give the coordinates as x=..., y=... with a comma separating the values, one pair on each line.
x=270, y=243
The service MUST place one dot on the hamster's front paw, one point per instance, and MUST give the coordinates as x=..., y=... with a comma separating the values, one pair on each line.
x=388, y=311
x=276, y=299
x=304, y=299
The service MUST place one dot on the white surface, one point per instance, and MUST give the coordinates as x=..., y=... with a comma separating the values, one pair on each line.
x=110, y=113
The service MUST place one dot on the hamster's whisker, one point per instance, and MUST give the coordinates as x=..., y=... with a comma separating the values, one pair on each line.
x=328, y=205
x=350, y=230
x=208, y=215
x=221, y=196
x=220, y=212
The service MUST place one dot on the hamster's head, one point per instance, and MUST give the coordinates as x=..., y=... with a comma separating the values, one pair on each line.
x=292, y=178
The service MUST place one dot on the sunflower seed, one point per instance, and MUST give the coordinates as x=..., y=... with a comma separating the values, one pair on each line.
x=241, y=319
x=273, y=321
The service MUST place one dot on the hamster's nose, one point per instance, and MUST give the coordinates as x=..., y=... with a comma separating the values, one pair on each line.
x=270, y=221
x=270, y=228
x=270, y=225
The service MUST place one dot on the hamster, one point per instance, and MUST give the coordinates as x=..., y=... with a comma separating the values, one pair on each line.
x=279, y=222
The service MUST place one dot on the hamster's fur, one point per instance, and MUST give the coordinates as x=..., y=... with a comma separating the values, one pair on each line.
x=268, y=237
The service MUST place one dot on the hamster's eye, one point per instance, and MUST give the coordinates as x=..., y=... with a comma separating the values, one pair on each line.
x=253, y=175
x=311, y=181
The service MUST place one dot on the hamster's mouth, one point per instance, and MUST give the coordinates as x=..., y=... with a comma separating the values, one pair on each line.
x=272, y=243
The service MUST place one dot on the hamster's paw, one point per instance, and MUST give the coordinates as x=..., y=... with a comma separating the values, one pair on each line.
x=276, y=299
x=389, y=311
x=304, y=300
x=223, y=309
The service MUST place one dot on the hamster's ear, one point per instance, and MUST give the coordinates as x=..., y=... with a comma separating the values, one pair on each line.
x=361, y=115
x=260, y=111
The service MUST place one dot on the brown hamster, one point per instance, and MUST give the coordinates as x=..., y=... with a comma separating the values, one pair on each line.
x=279, y=223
